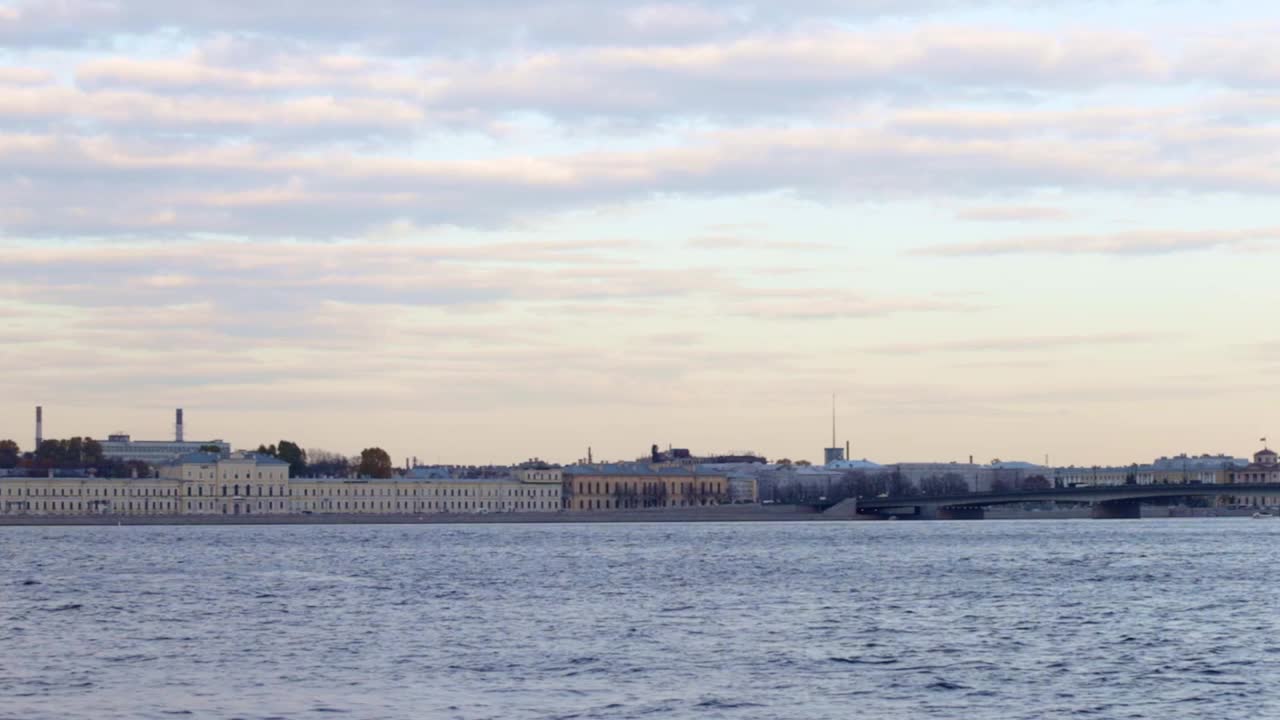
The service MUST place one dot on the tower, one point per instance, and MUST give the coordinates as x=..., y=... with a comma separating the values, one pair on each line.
x=39, y=426
x=833, y=453
x=177, y=425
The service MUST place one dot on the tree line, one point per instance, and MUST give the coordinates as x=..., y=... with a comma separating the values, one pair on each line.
x=862, y=484
x=79, y=453
x=372, y=462
x=73, y=453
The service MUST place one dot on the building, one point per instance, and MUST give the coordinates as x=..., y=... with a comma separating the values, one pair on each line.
x=1265, y=468
x=240, y=484
x=420, y=496
x=156, y=452
x=743, y=489
x=1099, y=475
x=119, y=446
x=1011, y=475
x=253, y=484
x=916, y=472
x=1203, y=469
x=539, y=475
x=88, y=495
x=638, y=485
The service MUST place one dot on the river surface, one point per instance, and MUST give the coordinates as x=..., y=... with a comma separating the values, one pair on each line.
x=1037, y=619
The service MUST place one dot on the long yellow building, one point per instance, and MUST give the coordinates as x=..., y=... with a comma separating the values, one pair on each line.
x=251, y=484
x=618, y=486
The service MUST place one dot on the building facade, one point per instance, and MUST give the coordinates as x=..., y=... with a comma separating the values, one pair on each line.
x=638, y=485
x=89, y=496
x=241, y=484
x=1265, y=468
x=405, y=495
x=156, y=452
x=252, y=484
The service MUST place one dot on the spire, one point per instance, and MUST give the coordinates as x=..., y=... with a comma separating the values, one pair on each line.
x=833, y=420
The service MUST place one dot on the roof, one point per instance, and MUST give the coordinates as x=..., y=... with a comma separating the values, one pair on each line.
x=1016, y=465
x=208, y=458
x=863, y=464
x=195, y=458
x=636, y=469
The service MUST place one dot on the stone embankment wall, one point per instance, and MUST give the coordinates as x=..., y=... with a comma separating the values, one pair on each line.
x=721, y=513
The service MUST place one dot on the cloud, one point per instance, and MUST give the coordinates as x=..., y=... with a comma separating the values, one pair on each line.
x=405, y=26
x=24, y=76
x=836, y=304
x=730, y=242
x=1012, y=213
x=1026, y=343
x=736, y=75
x=100, y=185
x=1132, y=243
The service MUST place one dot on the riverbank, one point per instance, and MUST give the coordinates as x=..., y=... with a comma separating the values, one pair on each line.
x=721, y=513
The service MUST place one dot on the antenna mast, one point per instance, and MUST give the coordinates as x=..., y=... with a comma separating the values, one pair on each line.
x=833, y=419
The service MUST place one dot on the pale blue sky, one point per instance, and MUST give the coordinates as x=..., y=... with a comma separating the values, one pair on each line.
x=484, y=231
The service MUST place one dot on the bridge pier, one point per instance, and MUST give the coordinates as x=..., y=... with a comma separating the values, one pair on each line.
x=961, y=513
x=1117, y=510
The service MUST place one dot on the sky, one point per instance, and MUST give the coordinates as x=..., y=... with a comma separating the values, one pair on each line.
x=488, y=231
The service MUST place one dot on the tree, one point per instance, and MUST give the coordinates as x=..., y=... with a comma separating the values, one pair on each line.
x=375, y=463
x=10, y=454
x=117, y=468
x=948, y=484
x=322, y=463
x=76, y=452
x=266, y=450
x=294, y=455
x=1036, y=482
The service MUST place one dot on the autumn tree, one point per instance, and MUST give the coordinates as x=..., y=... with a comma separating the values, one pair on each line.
x=10, y=454
x=375, y=463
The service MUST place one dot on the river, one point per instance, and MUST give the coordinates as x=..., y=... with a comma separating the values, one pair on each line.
x=1018, y=619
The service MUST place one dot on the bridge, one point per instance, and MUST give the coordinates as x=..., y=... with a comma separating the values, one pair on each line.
x=1108, y=501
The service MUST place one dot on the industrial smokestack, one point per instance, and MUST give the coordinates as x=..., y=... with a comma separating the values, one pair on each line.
x=177, y=425
x=39, y=426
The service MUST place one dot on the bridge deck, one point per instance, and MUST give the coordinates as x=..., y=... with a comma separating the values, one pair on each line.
x=1092, y=494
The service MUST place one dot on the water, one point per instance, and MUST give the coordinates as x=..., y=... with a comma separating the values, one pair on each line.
x=1044, y=619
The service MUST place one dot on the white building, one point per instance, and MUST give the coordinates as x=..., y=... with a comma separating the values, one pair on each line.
x=253, y=484
x=156, y=452
x=1096, y=475
x=240, y=484
x=917, y=471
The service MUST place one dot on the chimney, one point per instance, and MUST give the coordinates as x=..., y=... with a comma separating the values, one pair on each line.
x=39, y=426
x=177, y=425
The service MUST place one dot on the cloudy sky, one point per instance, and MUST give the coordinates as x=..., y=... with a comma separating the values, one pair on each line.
x=490, y=230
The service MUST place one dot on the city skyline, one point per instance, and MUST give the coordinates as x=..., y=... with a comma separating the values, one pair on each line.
x=993, y=229
x=39, y=427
